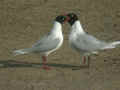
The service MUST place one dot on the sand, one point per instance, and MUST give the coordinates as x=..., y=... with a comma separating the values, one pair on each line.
x=23, y=22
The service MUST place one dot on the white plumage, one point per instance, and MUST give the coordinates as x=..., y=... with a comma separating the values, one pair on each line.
x=86, y=43
x=83, y=42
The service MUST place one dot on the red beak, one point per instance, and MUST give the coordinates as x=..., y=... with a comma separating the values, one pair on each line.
x=67, y=19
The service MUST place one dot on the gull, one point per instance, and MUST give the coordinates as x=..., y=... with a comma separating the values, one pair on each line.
x=48, y=43
x=83, y=42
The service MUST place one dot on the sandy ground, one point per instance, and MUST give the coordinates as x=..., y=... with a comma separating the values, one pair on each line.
x=22, y=22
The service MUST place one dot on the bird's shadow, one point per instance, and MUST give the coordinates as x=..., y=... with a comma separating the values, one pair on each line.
x=21, y=64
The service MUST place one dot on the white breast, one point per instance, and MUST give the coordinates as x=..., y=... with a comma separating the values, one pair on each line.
x=56, y=33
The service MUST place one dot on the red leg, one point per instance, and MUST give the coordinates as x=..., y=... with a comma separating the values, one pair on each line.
x=86, y=63
x=44, y=63
x=84, y=59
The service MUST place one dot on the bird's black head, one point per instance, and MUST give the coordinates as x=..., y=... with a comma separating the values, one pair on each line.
x=61, y=19
x=72, y=18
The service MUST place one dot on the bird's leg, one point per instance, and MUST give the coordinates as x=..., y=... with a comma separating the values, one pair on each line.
x=44, y=63
x=88, y=61
x=84, y=59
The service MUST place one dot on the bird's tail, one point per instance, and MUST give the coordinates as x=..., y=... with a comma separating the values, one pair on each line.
x=22, y=51
x=112, y=45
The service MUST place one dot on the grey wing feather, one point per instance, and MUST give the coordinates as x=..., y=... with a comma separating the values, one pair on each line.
x=46, y=44
x=43, y=39
x=89, y=43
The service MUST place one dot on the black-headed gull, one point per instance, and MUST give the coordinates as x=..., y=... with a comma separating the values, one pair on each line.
x=49, y=43
x=84, y=43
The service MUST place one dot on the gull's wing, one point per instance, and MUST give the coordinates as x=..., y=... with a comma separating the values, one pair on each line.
x=46, y=43
x=86, y=42
x=44, y=38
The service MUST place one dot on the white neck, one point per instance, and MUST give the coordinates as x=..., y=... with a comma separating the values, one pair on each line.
x=77, y=27
x=57, y=28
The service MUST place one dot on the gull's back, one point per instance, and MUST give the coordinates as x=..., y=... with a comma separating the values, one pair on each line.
x=87, y=43
x=46, y=43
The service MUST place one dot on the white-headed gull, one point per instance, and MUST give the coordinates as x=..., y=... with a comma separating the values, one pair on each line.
x=49, y=43
x=83, y=42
